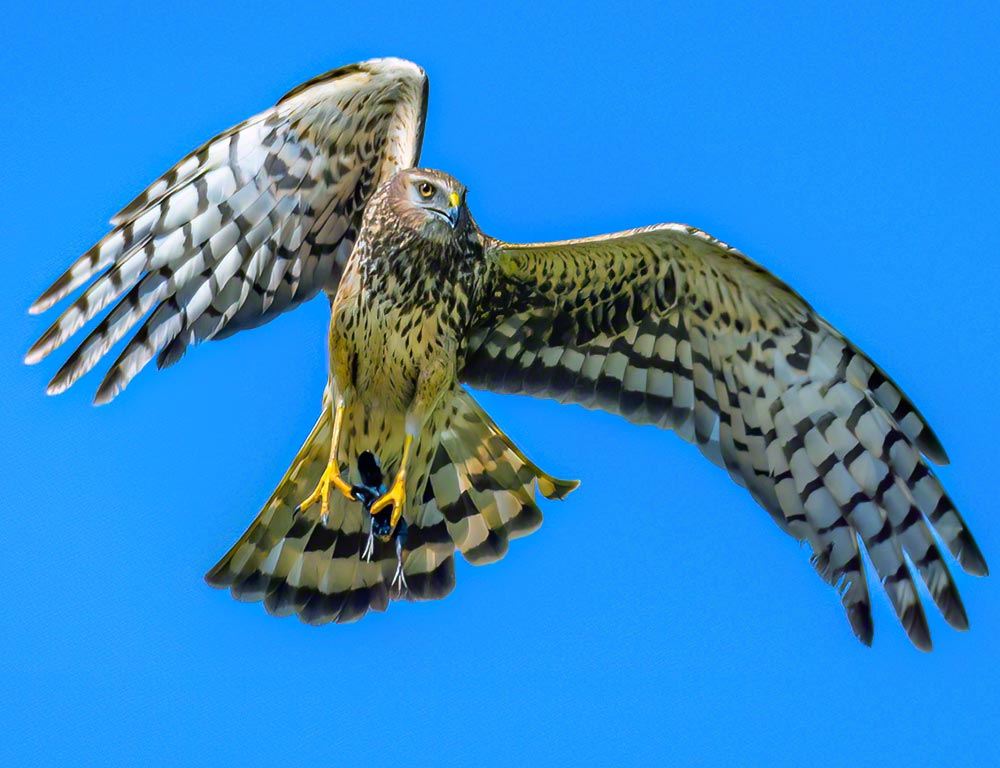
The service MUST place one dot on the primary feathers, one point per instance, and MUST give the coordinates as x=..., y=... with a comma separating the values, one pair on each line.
x=663, y=325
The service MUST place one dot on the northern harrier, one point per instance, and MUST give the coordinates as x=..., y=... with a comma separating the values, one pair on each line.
x=663, y=325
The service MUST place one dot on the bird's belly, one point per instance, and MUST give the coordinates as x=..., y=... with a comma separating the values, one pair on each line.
x=389, y=350
x=377, y=430
x=385, y=374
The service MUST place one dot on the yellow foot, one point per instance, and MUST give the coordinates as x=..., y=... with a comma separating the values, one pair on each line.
x=331, y=477
x=394, y=497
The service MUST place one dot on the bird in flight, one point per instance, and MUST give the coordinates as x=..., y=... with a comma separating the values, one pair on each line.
x=662, y=325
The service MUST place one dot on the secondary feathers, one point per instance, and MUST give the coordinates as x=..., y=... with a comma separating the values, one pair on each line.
x=662, y=325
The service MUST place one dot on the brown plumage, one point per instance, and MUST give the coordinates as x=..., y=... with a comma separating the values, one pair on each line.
x=662, y=325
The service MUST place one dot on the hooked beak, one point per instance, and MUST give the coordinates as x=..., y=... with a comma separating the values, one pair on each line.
x=454, y=208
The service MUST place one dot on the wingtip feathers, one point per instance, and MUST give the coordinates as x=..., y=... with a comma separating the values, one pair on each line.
x=52, y=295
x=112, y=385
x=930, y=446
x=971, y=558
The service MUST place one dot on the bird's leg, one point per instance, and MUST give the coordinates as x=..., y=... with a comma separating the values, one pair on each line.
x=396, y=495
x=331, y=475
x=437, y=378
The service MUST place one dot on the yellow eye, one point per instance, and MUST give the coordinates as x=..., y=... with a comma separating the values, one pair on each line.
x=426, y=189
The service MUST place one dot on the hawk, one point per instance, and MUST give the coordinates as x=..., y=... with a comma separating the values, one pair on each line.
x=663, y=325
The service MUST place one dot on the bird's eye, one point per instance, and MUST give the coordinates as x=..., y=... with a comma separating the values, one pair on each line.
x=426, y=189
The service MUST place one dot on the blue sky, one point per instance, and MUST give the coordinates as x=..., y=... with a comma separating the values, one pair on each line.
x=658, y=615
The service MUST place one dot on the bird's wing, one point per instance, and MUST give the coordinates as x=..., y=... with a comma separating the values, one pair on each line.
x=254, y=222
x=668, y=326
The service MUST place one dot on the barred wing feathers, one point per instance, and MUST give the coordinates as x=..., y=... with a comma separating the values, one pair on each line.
x=256, y=221
x=668, y=326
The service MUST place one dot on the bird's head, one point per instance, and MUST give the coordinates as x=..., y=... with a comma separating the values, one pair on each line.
x=431, y=203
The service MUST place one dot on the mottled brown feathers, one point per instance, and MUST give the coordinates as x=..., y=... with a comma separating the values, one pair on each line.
x=663, y=325
x=666, y=325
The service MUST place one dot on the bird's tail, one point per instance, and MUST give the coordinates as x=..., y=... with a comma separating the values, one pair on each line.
x=479, y=494
x=484, y=486
x=295, y=563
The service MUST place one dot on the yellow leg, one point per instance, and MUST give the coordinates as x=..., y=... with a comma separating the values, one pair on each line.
x=396, y=495
x=331, y=475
